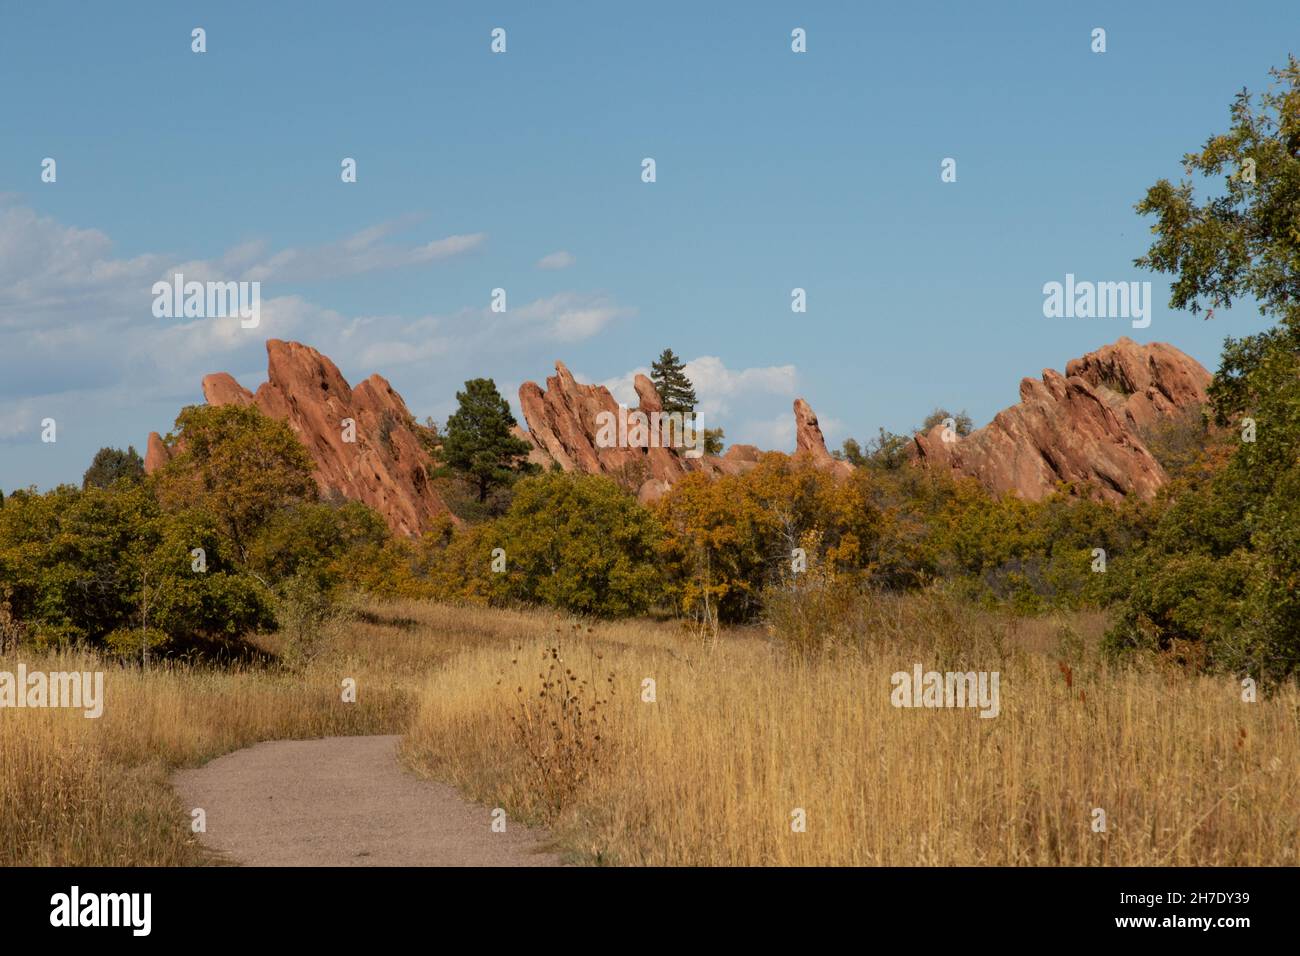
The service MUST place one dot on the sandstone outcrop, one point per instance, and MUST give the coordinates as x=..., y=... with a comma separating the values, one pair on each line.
x=564, y=426
x=220, y=388
x=569, y=424
x=385, y=466
x=810, y=443
x=1143, y=382
x=739, y=458
x=156, y=454
x=1081, y=427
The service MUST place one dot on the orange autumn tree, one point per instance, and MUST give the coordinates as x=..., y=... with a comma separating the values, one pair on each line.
x=728, y=538
x=710, y=548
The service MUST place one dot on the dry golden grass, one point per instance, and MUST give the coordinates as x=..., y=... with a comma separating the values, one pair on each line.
x=94, y=792
x=742, y=735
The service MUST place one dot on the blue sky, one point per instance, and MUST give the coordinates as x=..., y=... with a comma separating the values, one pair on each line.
x=775, y=170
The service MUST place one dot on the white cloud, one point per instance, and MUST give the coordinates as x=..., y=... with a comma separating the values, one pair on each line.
x=360, y=253
x=567, y=317
x=560, y=319
x=78, y=338
x=621, y=387
x=770, y=434
x=718, y=387
x=556, y=260
x=76, y=319
x=54, y=276
x=284, y=317
x=391, y=352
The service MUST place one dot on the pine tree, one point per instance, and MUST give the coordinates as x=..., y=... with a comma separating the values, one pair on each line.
x=479, y=441
x=111, y=464
x=675, y=389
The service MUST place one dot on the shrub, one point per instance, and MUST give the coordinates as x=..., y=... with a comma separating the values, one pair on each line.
x=562, y=728
x=577, y=542
x=817, y=610
x=728, y=538
x=307, y=619
x=83, y=565
x=331, y=544
x=129, y=642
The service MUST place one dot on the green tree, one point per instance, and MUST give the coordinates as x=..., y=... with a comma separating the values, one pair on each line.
x=325, y=543
x=675, y=390
x=183, y=605
x=479, y=442
x=888, y=451
x=110, y=464
x=851, y=452
x=962, y=423
x=237, y=465
x=1223, y=566
x=577, y=542
x=108, y=567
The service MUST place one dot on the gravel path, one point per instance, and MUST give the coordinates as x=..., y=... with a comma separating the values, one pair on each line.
x=344, y=801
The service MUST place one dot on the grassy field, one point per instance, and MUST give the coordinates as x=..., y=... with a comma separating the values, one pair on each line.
x=549, y=718
x=741, y=736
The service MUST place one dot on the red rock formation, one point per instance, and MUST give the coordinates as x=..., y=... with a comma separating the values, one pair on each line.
x=1143, y=382
x=737, y=459
x=220, y=388
x=1080, y=428
x=810, y=443
x=563, y=427
x=156, y=454
x=385, y=467
x=566, y=421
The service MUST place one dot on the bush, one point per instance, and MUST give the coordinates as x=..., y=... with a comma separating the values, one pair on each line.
x=79, y=566
x=817, y=610
x=132, y=642
x=581, y=543
x=307, y=619
x=576, y=542
x=331, y=544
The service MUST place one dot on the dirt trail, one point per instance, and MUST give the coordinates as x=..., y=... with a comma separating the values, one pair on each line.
x=344, y=801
